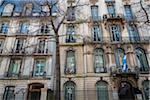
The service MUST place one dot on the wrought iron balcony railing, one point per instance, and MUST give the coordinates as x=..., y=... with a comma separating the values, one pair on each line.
x=145, y=39
x=100, y=70
x=95, y=18
x=113, y=17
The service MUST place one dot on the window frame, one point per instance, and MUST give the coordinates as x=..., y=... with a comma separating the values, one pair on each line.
x=4, y=27
x=143, y=66
x=10, y=72
x=128, y=12
x=99, y=95
x=115, y=32
x=24, y=27
x=6, y=93
x=72, y=86
x=133, y=33
x=69, y=69
x=70, y=34
x=71, y=15
x=99, y=52
x=95, y=12
x=97, y=33
x=43, y=73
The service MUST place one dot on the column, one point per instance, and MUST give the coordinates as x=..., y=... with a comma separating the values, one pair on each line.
x=43, y=93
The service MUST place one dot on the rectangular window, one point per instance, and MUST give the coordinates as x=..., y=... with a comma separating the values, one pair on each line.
x=24, y=27
x=133, y=33
x=14, y=67
x=19, y=45
x=71, y=14
x=94, y=12
x=42, y=46
x=70, y=62
x=9, y=93
x=4, y=27
x=39, y=69
x=96, y=33
x=70, y=34
x=128, y=12
x=111, y=10
x=115, y=31
x=1, y=45
x=44, y=29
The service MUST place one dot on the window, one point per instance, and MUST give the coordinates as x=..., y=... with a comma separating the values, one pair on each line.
x=128, y=12
x=71, y=14
x=111, y=10
x=8, y=10
x=119, y=57
x=14, y=67
x=102, y=90
x=141, y=58
x=42, y=46
x=44, y=29
x=133, y=33
x=39, y=69
x=146, y=89
x=70, y=62
x=69, y=90
x=34, y=91
x=70, y=34
x=94, y=12
x=28, y=9
x=99, y=60
x=96, y=33
x=9, y=93
x=24, y=27
x=115, y=32
x=1, y=45
x=19, y=45
x=4, y=27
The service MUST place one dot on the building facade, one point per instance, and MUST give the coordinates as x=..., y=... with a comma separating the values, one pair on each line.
x=27, y=52
x=105, y=54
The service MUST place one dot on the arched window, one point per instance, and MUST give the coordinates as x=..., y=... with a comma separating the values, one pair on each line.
x=70, y=67
x=146, y=89
x=102, y=90
x=8, y=9
x=119, y=53
x=69, y=88
x=99, y=65
x=142, y=62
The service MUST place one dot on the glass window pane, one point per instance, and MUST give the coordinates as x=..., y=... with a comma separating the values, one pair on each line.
x=70, y=63
x=94, y=12
x=142, y=60
x=102, y=91
x=39, y=67
x=9, y=93
x=69, y=91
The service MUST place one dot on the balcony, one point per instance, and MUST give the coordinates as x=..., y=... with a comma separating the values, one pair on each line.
x=122, y=40
x=11, y=75
x=100, y=70
x=41, y=52
x=113, y=17
x=118, y=72
x=95, y=19
x=16, y=76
